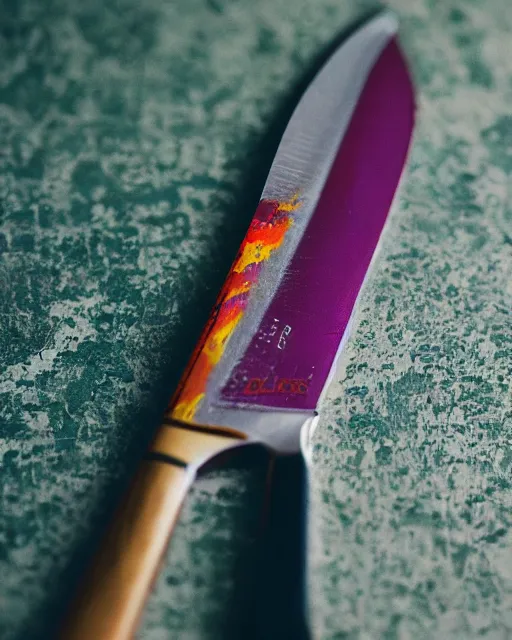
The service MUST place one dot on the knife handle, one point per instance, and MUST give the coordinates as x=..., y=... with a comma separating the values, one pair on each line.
x=112, y=596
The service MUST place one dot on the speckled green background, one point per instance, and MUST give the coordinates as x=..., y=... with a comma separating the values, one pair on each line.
x=134, y=143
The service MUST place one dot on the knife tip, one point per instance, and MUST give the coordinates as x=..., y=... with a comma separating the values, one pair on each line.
x=385, y=21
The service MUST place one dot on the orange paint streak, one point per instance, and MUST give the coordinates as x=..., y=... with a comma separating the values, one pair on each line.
x=263, y=238
x=238, y=283
x=238, y=291
x=261, y=242
x=268, y=233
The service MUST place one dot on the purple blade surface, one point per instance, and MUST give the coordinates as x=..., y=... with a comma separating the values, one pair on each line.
x=289, y=358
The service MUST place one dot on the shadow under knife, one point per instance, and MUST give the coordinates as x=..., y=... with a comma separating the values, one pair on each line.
x=270, y=583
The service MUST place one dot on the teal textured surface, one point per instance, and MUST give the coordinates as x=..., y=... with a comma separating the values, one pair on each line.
x=136, y=139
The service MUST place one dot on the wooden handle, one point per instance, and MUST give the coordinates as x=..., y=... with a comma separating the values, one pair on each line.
x=112, y=597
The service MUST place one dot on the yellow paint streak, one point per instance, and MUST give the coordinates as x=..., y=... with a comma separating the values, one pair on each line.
x=293, y=205
x=239, y=290
x=253, y=253
x=186, y=410
x=214, y=347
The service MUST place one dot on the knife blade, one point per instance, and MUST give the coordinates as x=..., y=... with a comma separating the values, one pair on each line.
x=269, y=349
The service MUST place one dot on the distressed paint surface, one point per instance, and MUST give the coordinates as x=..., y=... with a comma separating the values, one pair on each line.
x=266, y=234
x=136, y=140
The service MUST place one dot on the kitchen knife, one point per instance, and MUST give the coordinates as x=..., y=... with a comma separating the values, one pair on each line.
x=268, y=351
